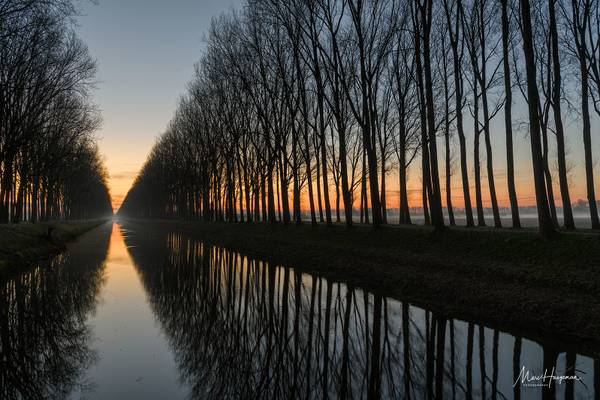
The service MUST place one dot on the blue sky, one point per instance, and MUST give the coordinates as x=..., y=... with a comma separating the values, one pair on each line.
x=146, y=51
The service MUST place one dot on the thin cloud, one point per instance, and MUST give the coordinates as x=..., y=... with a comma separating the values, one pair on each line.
x=123, y=175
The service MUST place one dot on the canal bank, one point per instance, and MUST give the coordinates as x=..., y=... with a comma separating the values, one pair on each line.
x=511, y=279
x=24, y=244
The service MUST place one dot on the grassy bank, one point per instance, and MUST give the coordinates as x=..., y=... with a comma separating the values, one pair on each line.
x=513, y=280
x=24, y=244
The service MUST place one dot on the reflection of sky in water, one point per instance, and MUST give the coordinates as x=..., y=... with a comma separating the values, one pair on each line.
x=170, y=318
x=135, y=362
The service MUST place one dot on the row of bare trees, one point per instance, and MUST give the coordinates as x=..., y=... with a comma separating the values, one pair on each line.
x=50, y=166
x=298, y=103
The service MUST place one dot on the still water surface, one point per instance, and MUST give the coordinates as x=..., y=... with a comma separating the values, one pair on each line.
x=128, y=313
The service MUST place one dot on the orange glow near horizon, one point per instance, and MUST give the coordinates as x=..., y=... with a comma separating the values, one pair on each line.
x=123, y=163
x=127, y=154
x=120, y=182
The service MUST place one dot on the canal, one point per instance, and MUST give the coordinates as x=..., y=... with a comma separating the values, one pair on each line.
x=132, y=313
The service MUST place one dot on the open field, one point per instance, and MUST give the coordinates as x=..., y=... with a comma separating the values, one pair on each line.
x=512, y=279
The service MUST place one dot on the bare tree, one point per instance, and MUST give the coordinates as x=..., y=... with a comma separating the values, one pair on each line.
x=508, y=101
x=546, y=225
x=578, y=15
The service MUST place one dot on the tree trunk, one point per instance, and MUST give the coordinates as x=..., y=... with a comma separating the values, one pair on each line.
x=546, y=225
x=458, y=92
x=569, y=221
x=448, y=166
x=383, y=199
x=476, y=159
x=510, y=163
x=344, y=176
x=404, y=209
x=318, y=164
x=490, y=163
x=580, y=37
x=435, y=200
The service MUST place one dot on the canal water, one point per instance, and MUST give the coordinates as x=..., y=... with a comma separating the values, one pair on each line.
x=131, y=313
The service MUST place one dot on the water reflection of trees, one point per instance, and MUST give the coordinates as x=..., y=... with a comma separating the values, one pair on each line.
x=43, y=333
x=243, y=329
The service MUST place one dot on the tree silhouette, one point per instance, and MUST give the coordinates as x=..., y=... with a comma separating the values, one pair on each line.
x=294, y=103
x=49, y=165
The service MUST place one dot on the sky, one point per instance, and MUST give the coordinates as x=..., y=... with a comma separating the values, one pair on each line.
x=145, y=50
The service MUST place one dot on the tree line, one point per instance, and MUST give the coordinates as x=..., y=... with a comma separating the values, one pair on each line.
x=300, y=104
x=50, y=166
